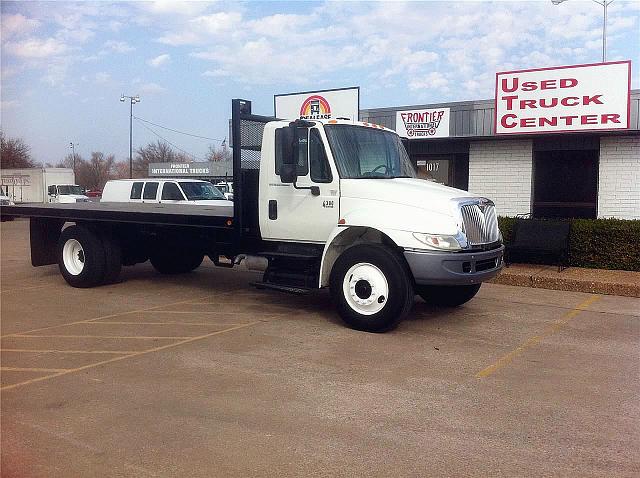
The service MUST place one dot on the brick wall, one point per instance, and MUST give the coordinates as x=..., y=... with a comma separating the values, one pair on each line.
x=619, y=177
x=501, y=171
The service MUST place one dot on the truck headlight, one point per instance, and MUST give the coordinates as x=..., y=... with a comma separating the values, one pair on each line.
x=439, y=241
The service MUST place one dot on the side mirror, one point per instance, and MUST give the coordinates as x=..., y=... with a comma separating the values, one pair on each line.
x=288, y=173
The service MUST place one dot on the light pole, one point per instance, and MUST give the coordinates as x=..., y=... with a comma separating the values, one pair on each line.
x=73, y=145
x=604, y=4
x=134, y=100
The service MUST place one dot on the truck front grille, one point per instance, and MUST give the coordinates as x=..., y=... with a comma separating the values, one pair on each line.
x=479, y=223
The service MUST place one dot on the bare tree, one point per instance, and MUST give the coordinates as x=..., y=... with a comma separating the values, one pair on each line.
x=97, y=171
x=221, y=153
x=157, y=152
x=14, y=153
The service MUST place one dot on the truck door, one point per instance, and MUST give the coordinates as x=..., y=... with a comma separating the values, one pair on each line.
x=52, y=193
x=291, y=214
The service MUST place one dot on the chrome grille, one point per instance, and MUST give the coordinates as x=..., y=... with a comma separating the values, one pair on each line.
x=479, y=223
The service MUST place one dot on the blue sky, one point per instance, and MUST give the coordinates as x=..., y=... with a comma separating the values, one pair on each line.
x=65, y=64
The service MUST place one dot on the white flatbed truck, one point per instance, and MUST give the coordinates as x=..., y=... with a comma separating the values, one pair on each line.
x=320, y=203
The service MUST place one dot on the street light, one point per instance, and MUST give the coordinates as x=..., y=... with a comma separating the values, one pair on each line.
x=604, y=4
x=73, y=145
x=134, y=100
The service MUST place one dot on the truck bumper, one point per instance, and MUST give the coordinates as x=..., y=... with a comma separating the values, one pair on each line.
x=454, y=268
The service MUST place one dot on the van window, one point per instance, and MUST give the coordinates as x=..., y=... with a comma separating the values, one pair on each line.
x=150, y=191
x=171, y=192
x=136, y=191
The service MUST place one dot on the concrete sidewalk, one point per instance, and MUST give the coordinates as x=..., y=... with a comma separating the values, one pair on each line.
x=597, y=281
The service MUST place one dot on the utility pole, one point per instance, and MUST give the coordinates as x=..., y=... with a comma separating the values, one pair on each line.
x=73, y=145
x=133, y=100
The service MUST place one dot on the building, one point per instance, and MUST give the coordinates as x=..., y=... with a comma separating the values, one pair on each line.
x=583, y=173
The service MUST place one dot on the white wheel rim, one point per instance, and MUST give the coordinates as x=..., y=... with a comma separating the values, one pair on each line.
x=73, y=257
x=365, y=288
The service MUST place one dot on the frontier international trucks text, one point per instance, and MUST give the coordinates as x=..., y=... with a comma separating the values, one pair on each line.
x=319, y=204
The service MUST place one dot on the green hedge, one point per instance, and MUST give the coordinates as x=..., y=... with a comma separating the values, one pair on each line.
x=597, y=243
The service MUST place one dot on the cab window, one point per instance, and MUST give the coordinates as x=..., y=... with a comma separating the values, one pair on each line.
x=171, y=192
x=303, y=160
x=136, y=190
x=150, y=191
x=318, y=162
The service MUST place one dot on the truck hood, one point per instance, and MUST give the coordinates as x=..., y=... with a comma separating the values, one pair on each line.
x=412, y=192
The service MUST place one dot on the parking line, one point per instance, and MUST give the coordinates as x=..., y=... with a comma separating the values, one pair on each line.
x=28, y=369
x=104, y=337
x=209, y=324
x=121, y=352
x=137, y=354
x=99, y=318
x=550, y=330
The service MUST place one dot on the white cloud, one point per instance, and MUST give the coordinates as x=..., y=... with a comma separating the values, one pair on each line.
x=159, y=60
x=118, y=46
x=35, y=48
x=204, y=28
x=433, y=80
x=150, y=89
x=17, y=25
x=102, y=78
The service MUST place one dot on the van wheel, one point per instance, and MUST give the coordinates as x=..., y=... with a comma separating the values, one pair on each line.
x=81, y=257
x=447, y=296
x=372, y=288
x=176, y=263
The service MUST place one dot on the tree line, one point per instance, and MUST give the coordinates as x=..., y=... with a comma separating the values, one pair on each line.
x=95, y=171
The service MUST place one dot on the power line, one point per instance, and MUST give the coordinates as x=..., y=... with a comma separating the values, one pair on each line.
x=175, y=146
x=176, y=131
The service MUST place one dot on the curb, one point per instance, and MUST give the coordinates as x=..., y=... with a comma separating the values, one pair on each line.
x=537, y=279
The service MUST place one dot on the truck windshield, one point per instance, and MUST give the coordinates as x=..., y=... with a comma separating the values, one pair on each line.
x=368, y=153
x=69, y=189
x=201, y=191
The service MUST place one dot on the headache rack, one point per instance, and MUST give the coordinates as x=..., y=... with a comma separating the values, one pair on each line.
x=246, y=142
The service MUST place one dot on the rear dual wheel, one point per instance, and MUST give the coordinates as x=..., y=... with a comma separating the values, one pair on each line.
x=86, y=259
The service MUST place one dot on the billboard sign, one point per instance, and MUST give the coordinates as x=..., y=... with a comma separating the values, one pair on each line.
x=313, y=105
x=562, y=99
x=423, y=124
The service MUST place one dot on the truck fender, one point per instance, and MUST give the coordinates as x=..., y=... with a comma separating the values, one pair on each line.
x=343, y=237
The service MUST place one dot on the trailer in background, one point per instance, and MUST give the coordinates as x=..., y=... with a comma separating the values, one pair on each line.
x=31, y=185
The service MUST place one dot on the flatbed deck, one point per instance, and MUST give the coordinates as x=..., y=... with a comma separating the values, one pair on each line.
x=139, y=213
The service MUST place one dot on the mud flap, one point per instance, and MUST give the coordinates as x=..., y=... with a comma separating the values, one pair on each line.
x=44, y=233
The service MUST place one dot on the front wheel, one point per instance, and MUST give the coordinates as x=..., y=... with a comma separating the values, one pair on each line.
x=447, y=296
x=81, y=257
x=371, y=287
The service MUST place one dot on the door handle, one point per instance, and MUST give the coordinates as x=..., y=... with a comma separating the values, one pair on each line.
x=273, y=209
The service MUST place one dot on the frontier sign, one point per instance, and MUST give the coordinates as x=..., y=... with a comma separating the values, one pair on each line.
x=567, y=98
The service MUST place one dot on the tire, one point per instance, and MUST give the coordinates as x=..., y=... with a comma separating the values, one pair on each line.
x=113, y=259
x=447, y=296
x=176, y=263
x=371, y=287
x=81, y=257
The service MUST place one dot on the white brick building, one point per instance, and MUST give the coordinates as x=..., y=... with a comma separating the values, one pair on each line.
x=577, y=174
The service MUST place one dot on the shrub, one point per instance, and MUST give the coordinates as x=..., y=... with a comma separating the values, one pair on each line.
x=597, y=243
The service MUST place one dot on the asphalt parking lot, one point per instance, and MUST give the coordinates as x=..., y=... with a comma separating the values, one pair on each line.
x=202, y=375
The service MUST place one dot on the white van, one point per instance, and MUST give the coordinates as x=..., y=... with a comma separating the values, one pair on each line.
x=165, y=191
x=225, y=188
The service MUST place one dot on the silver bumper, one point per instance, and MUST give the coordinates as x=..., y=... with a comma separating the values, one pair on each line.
x=454, y=268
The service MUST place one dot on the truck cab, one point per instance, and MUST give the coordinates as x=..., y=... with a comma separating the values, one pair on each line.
x=65, y=193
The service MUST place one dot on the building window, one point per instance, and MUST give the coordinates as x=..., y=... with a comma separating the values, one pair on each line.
x=565, y=184
x=435, y=168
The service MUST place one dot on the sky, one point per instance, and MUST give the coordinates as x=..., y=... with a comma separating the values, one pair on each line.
x=65, y=64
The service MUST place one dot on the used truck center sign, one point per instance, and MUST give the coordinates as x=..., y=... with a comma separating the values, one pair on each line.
x=566, y=98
